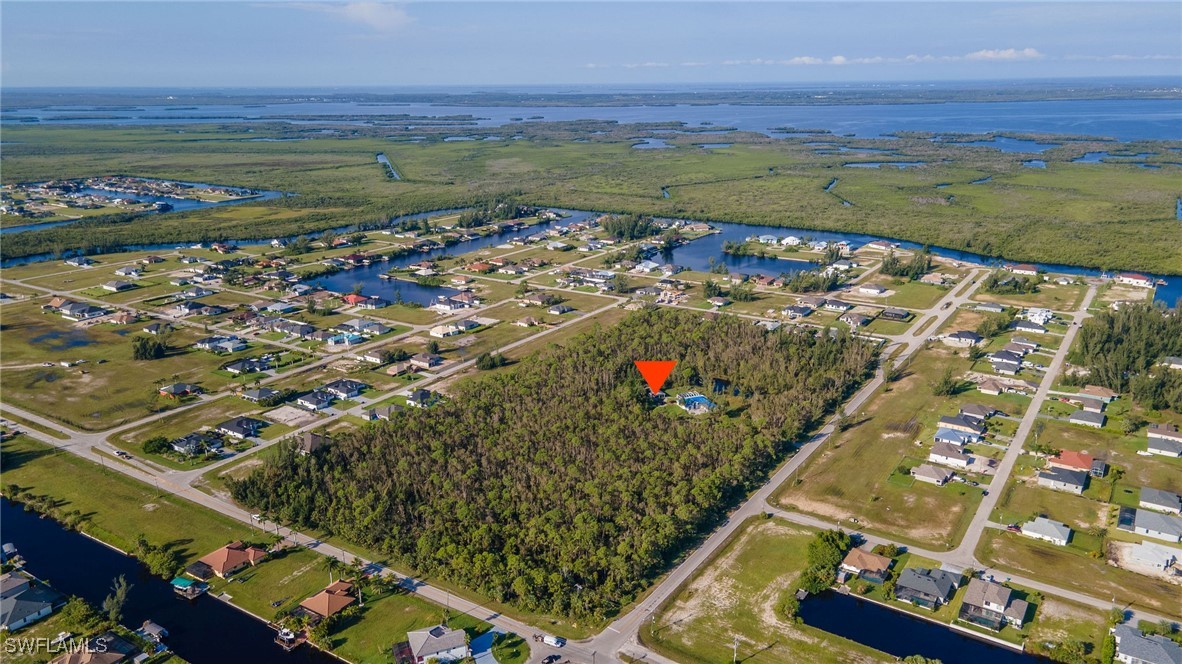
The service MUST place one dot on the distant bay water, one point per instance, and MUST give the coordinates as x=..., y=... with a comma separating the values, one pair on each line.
x=1121, y=119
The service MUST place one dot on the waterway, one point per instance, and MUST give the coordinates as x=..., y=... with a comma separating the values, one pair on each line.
x=1122, y=119
x=900, y=634
x=178, y=204
x=199, y=631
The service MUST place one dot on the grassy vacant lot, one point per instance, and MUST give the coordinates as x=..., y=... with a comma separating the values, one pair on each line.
x=1059, y=214
x=735, y=597
x=850, y=477
x=1068, y=567
x=1120, y=451
x=1023, y=500
x=110, y=388
x=1049, y=296
x=117, y=508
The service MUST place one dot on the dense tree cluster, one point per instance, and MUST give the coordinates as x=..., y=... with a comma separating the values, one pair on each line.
x=630, y=226
x=560, y=486
x=813, y=281
x=1002, y=283
x=919, y=265
x=148, y=348
x=1120, y=350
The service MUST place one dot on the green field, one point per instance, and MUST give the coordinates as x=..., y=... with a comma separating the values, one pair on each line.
x=851, y=476
x=1068, y=567
x=1063, y=213
x=735, y=598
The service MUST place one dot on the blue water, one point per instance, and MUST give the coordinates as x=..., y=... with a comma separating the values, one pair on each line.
x=369, y=276
x=1007, y=144
x=898, y=633
x=178, y=204
x=59, y=340
x=1122, y=119
x=201, y=631
x=651, y=144
x=1097, y=157
x=881, y=164
x=385, y=161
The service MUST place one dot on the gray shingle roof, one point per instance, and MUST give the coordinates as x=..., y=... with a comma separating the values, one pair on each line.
x=1151, y=649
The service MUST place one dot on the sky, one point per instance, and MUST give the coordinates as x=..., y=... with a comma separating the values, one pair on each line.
x=375, y=44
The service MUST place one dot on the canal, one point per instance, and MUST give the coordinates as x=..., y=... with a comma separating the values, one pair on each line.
x=199, y=631
x=898, y=633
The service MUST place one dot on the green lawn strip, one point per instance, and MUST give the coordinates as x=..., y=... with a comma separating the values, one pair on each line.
x=28, y=424
x=116, y=508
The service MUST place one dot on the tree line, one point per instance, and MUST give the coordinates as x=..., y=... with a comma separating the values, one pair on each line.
x=1120, y=350
x=561, y=486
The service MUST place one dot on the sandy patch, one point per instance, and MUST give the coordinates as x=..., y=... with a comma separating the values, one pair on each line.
x=1120, y=554
x=150, y=507
x=292, y=416
x=1054, y=609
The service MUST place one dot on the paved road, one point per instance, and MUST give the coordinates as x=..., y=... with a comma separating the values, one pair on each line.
x=968, y=545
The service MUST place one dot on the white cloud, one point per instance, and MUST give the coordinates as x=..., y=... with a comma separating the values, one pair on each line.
x=645, y=65
x=1005, y=54
x=377, y=16
x=804, y=60
x=695, y=64
x=838, y=60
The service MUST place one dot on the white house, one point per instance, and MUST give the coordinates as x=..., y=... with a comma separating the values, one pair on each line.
x=1131, y=279
x=1047, y=530
x=1165, y=440
x=949, y=455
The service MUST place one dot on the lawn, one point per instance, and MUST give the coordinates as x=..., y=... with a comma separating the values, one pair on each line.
x=735, y=596
x=109, y=388
x=1023, y=499
x=117, y=509
x=1121, y=451
x=1049, y=296
x=851, y=476
x=910, y=294
x=1070, y=568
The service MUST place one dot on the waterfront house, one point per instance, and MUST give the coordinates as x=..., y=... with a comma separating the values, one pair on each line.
x=230, y=558
x=1088, y=419
x=328, y=602
x=24, y=601
x=949, y=455
x=1071, y=460
x=1131, y=279
x=1165, y=440
x=1062, y=479
x=992, y=606
x=1042, y=528
x=79, y=261
x=867, y=565
x=1160, y=526
x=932, y=474
x=1133, y=647
x=926, y=588
x=438, y=644
x=1024, y=269
x=1161, y=501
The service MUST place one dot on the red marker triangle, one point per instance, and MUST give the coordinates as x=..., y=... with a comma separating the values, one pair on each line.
x=655, y=372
